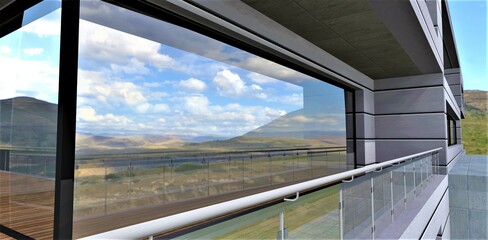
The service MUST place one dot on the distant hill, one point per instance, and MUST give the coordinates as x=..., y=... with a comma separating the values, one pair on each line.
x=476, y=101
x=288, y=131
x=93, y=144
x=475, y=124
x=27, y=122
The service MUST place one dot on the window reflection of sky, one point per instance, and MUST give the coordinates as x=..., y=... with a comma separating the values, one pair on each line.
x=29, y=56
x=183, y=83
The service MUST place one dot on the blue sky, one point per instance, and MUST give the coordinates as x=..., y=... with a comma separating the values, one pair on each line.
x=469, y=20
x=170, y=82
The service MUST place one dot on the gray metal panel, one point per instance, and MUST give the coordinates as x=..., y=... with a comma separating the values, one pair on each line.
x=456, y=90
x=453, y=151
x=408, y=82
x=349, y=122
x=366, y=152
x=452, y=106
x=391, y=149
x=365, y=101
x=410, y=101
x=458, y=100
x=411, y=126
x=452, y=71
x=454, y=78
x=365, y=126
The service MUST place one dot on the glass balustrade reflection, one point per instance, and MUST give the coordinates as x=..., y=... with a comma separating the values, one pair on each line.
x=113, y=185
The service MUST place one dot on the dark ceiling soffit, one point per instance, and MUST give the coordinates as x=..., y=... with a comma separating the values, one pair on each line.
x=450, y=51
x=11, y=16
x=400, y=19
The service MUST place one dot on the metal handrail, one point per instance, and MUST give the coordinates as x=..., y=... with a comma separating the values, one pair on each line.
x=157, y=226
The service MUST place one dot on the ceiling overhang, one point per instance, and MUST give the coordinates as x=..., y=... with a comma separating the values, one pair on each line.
x=382, y=39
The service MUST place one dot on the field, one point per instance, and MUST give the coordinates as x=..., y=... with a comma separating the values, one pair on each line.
x=475, y=124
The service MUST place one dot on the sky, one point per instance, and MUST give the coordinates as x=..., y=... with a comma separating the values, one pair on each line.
x=167, y=82
x=470, y=23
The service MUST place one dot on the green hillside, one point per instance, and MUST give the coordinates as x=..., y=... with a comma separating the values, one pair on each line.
x=27, y=122
x=475, y=125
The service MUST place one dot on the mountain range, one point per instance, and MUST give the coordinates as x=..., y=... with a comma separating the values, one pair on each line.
x=29, y=122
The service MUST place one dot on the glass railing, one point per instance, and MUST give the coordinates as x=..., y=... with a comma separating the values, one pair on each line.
x=367, y=206
x=356, y=204
x=109, y=184
x=39, y=162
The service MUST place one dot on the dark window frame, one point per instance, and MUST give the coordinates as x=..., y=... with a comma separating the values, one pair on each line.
x=451, y=131
x=11, y=20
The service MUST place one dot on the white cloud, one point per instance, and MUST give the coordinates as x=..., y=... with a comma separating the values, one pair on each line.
x=5, y=50
x=273, y=113
x=104, y=86
x=196, y=104
x=110, y=92
x=124, y=52
x=33, y=51
x=88, y=114
x=152, y=108
x=156, y=95
x=128, y=92
x=160, y=108
x=294, y=99
x=229, y=83
x=134, y=66
x=161, y=120
x=193, y=84
x=38, y=79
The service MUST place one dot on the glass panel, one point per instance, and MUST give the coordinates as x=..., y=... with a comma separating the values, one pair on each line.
x=118, y=180
x=216, y=122
x=409, y=181
x=29, y=62
x=398, y=191
x=357, y=209
x=382, y=200
x=317, y=215
x=262, y=224
x=302, y=165
x=90, y=182
x=418, y=176
x=314, y=216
